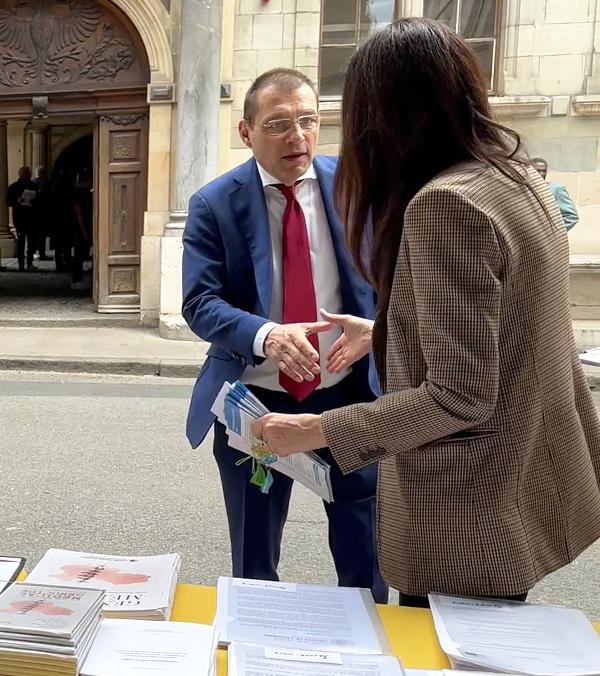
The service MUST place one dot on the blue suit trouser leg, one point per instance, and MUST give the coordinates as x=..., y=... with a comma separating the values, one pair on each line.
x=255, y=520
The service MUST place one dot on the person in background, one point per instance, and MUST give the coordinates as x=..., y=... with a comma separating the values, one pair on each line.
x=486, y=431
x=83, y=209
x=565, y=204
x=263, y=251
x=42, y=213
x=63, y=217
x=21, y=197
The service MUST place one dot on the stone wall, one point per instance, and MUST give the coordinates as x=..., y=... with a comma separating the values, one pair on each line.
x=548, y=89
x=552, y=97
x=262, y=35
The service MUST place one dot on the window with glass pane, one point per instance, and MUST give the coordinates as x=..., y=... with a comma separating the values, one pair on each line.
x=344, y=24
x=475, y=20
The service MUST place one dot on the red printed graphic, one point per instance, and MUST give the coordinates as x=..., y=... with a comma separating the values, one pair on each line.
x=79, y=573
x=40, y=607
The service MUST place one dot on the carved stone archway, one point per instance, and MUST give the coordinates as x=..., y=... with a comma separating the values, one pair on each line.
x=61, y=59
x=62, y=46
x=149, y=17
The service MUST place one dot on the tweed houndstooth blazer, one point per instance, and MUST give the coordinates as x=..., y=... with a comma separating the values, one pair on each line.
x=487, y=435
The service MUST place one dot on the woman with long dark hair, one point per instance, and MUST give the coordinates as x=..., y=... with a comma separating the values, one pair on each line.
x=486, y=432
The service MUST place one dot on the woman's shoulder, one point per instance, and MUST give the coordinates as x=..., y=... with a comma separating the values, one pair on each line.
x=474, y=182
x=460, y=176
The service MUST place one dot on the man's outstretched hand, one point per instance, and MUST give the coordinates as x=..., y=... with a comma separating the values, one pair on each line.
x=289, y=347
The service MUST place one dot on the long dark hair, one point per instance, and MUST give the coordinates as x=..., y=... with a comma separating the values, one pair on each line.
x=415, y=103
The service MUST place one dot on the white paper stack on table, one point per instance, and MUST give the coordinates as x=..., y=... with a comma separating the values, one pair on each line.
x=47, y=629
x=591, y=357
x=137, y=587
x=246, y=660
x=237, y=408
x=10, y=567
x=451, y=672
x=519, y=638
x=131, y=647
x=284, y=628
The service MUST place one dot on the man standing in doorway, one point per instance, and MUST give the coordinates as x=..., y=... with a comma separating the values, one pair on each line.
x=565, y=204
x=263, y=250
x=21, y=197
x=83, y=208
x=42, y=213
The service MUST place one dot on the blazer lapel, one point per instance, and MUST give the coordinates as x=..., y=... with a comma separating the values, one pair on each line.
x=249, y=206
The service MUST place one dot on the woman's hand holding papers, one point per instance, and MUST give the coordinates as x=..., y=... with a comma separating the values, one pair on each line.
x=288, y=434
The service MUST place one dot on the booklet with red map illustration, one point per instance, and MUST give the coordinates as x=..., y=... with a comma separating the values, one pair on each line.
x=47, y=629
x=137, y=587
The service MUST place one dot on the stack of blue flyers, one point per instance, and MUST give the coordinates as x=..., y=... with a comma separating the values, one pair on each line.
x=237, y=408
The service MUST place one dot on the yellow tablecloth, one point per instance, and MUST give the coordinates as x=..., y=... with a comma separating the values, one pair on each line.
x=410, y=630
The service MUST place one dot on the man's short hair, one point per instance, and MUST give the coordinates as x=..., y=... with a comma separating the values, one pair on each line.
x=539, y=160
x=287, y=79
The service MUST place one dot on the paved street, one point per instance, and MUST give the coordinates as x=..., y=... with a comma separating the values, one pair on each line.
x=102, y=464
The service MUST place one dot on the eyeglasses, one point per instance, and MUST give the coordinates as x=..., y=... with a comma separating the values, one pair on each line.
x=279, y=127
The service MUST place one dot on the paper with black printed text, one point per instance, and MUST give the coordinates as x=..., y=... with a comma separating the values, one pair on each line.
x=299, y=616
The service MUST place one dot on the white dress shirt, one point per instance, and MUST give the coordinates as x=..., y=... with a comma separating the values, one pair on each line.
x=325, y=273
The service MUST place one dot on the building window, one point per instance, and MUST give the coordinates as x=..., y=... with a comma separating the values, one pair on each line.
x=476, y=21
x=344, y=24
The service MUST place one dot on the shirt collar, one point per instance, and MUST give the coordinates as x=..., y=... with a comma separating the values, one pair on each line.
x=267, y=179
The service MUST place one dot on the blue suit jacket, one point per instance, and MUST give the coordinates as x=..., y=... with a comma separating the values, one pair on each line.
x=228, y=275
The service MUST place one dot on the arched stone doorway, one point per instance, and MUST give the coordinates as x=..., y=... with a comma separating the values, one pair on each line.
x=73, y=65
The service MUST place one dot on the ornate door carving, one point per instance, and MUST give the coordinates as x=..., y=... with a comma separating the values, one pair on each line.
x=121, y=201
x=66, y=45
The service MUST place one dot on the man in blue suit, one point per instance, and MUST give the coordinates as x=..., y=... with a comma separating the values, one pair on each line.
x=263, y=250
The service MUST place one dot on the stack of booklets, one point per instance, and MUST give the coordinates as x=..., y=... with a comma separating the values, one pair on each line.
x=281, y=629
x=10, y=567
x=137, y=587
x=134, y=647
x=237, y=408
x=47, y=629
x=518, y=638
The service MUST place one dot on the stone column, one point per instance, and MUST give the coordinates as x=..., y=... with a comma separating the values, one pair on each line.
x=7, y=241
x=38, y=149
x=198, y=101
x=198, y=89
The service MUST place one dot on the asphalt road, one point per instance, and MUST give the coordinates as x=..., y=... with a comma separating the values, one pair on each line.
x=101, y=464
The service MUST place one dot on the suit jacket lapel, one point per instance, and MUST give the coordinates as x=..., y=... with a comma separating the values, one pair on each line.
x=250, y=208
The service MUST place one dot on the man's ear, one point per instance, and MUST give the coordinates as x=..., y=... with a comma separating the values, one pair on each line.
x=244, y=131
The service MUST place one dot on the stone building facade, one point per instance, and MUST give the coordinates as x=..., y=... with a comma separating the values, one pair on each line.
x=542, y=58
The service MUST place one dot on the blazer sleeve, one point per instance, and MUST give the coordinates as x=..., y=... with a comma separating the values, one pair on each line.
x=567, y=207
x=205, y=287
x=455, y=268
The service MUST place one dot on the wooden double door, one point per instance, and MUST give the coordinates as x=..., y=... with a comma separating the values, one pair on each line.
x=120, y=186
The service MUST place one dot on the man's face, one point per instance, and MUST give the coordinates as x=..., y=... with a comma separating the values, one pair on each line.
x=541, y=168
x=287, y=155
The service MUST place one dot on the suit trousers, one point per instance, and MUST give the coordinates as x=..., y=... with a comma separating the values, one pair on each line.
x=25, y=236
x=256, y=520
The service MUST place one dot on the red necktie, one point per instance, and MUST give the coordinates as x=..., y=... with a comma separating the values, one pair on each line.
x=299, y=302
